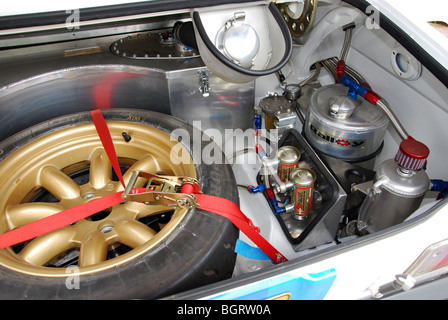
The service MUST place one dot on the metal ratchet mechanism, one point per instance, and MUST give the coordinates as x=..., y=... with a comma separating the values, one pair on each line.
x=162, y=190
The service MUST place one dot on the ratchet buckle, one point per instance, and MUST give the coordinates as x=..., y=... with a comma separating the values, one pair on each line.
x=162, y=190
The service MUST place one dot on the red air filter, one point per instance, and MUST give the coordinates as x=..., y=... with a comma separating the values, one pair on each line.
x=412, y=154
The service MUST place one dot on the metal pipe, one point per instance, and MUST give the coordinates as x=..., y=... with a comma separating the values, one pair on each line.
x=273, y=201
x=268, y=164
x=329, y=67
x=332, y=63
x=346, y=45
x=356, y=89
x=393, y=119
x=313, y=76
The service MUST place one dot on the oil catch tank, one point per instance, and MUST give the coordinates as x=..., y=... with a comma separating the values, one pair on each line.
x=398, y=189
x=340, y=127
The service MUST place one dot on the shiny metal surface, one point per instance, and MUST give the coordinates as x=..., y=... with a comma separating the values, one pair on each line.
x=238, y=41
x=288, y=157
x=393, y=197
x=151, y=45
x=274, y=44
x=71, y=90
x=227, y=105
x=279, y=112
x=342, y=107
x=322, y=222
x=355, y=138
x=302, y=197
x=88, y=29
x=69, y=77
x=302, y=177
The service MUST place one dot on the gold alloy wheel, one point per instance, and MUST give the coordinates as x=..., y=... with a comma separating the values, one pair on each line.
x=298, y=15
x=68, y=167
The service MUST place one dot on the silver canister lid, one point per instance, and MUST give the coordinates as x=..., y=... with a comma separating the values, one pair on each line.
x=288, y=154
x=302, y=177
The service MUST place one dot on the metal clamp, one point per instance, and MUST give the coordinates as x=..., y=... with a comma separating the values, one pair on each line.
x=162, y=190
x=204, y=83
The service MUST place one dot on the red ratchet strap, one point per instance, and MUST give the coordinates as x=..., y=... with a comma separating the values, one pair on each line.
x=231, y=211
x=106, y=140
x=58, y=220
x=220, y=206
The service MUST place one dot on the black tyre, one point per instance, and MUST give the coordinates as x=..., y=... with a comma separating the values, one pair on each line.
x=132, y=250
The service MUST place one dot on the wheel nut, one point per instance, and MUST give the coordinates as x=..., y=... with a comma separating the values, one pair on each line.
x=88, y=195
x=107, y=229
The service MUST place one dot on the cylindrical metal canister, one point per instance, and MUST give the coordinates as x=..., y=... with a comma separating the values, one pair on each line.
x=302, y=196
x=394, y=196
x=353, y=135
x=288, y=157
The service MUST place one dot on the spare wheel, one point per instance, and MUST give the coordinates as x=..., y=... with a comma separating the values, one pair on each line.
x=131, y=250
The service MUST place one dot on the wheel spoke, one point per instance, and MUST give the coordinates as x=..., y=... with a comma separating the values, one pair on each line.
x=100, y=169
x=133, y=233
x=93, y=249
x=58, y=183
x=43, y=249
x=148, y=164
x=25, y=213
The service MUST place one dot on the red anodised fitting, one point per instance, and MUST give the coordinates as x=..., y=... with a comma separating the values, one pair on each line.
x=372, y=97
x=340, y=69
x=270, y=193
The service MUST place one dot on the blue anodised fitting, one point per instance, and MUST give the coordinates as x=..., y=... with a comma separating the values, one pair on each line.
x=440, y=186
x=259, y=188
x=273, y=202
x=258, y=122
x=354, y=88
x=277, y=209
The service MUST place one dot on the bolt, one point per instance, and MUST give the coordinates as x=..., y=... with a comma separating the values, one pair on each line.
x=107, y=229
x=89, y=195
